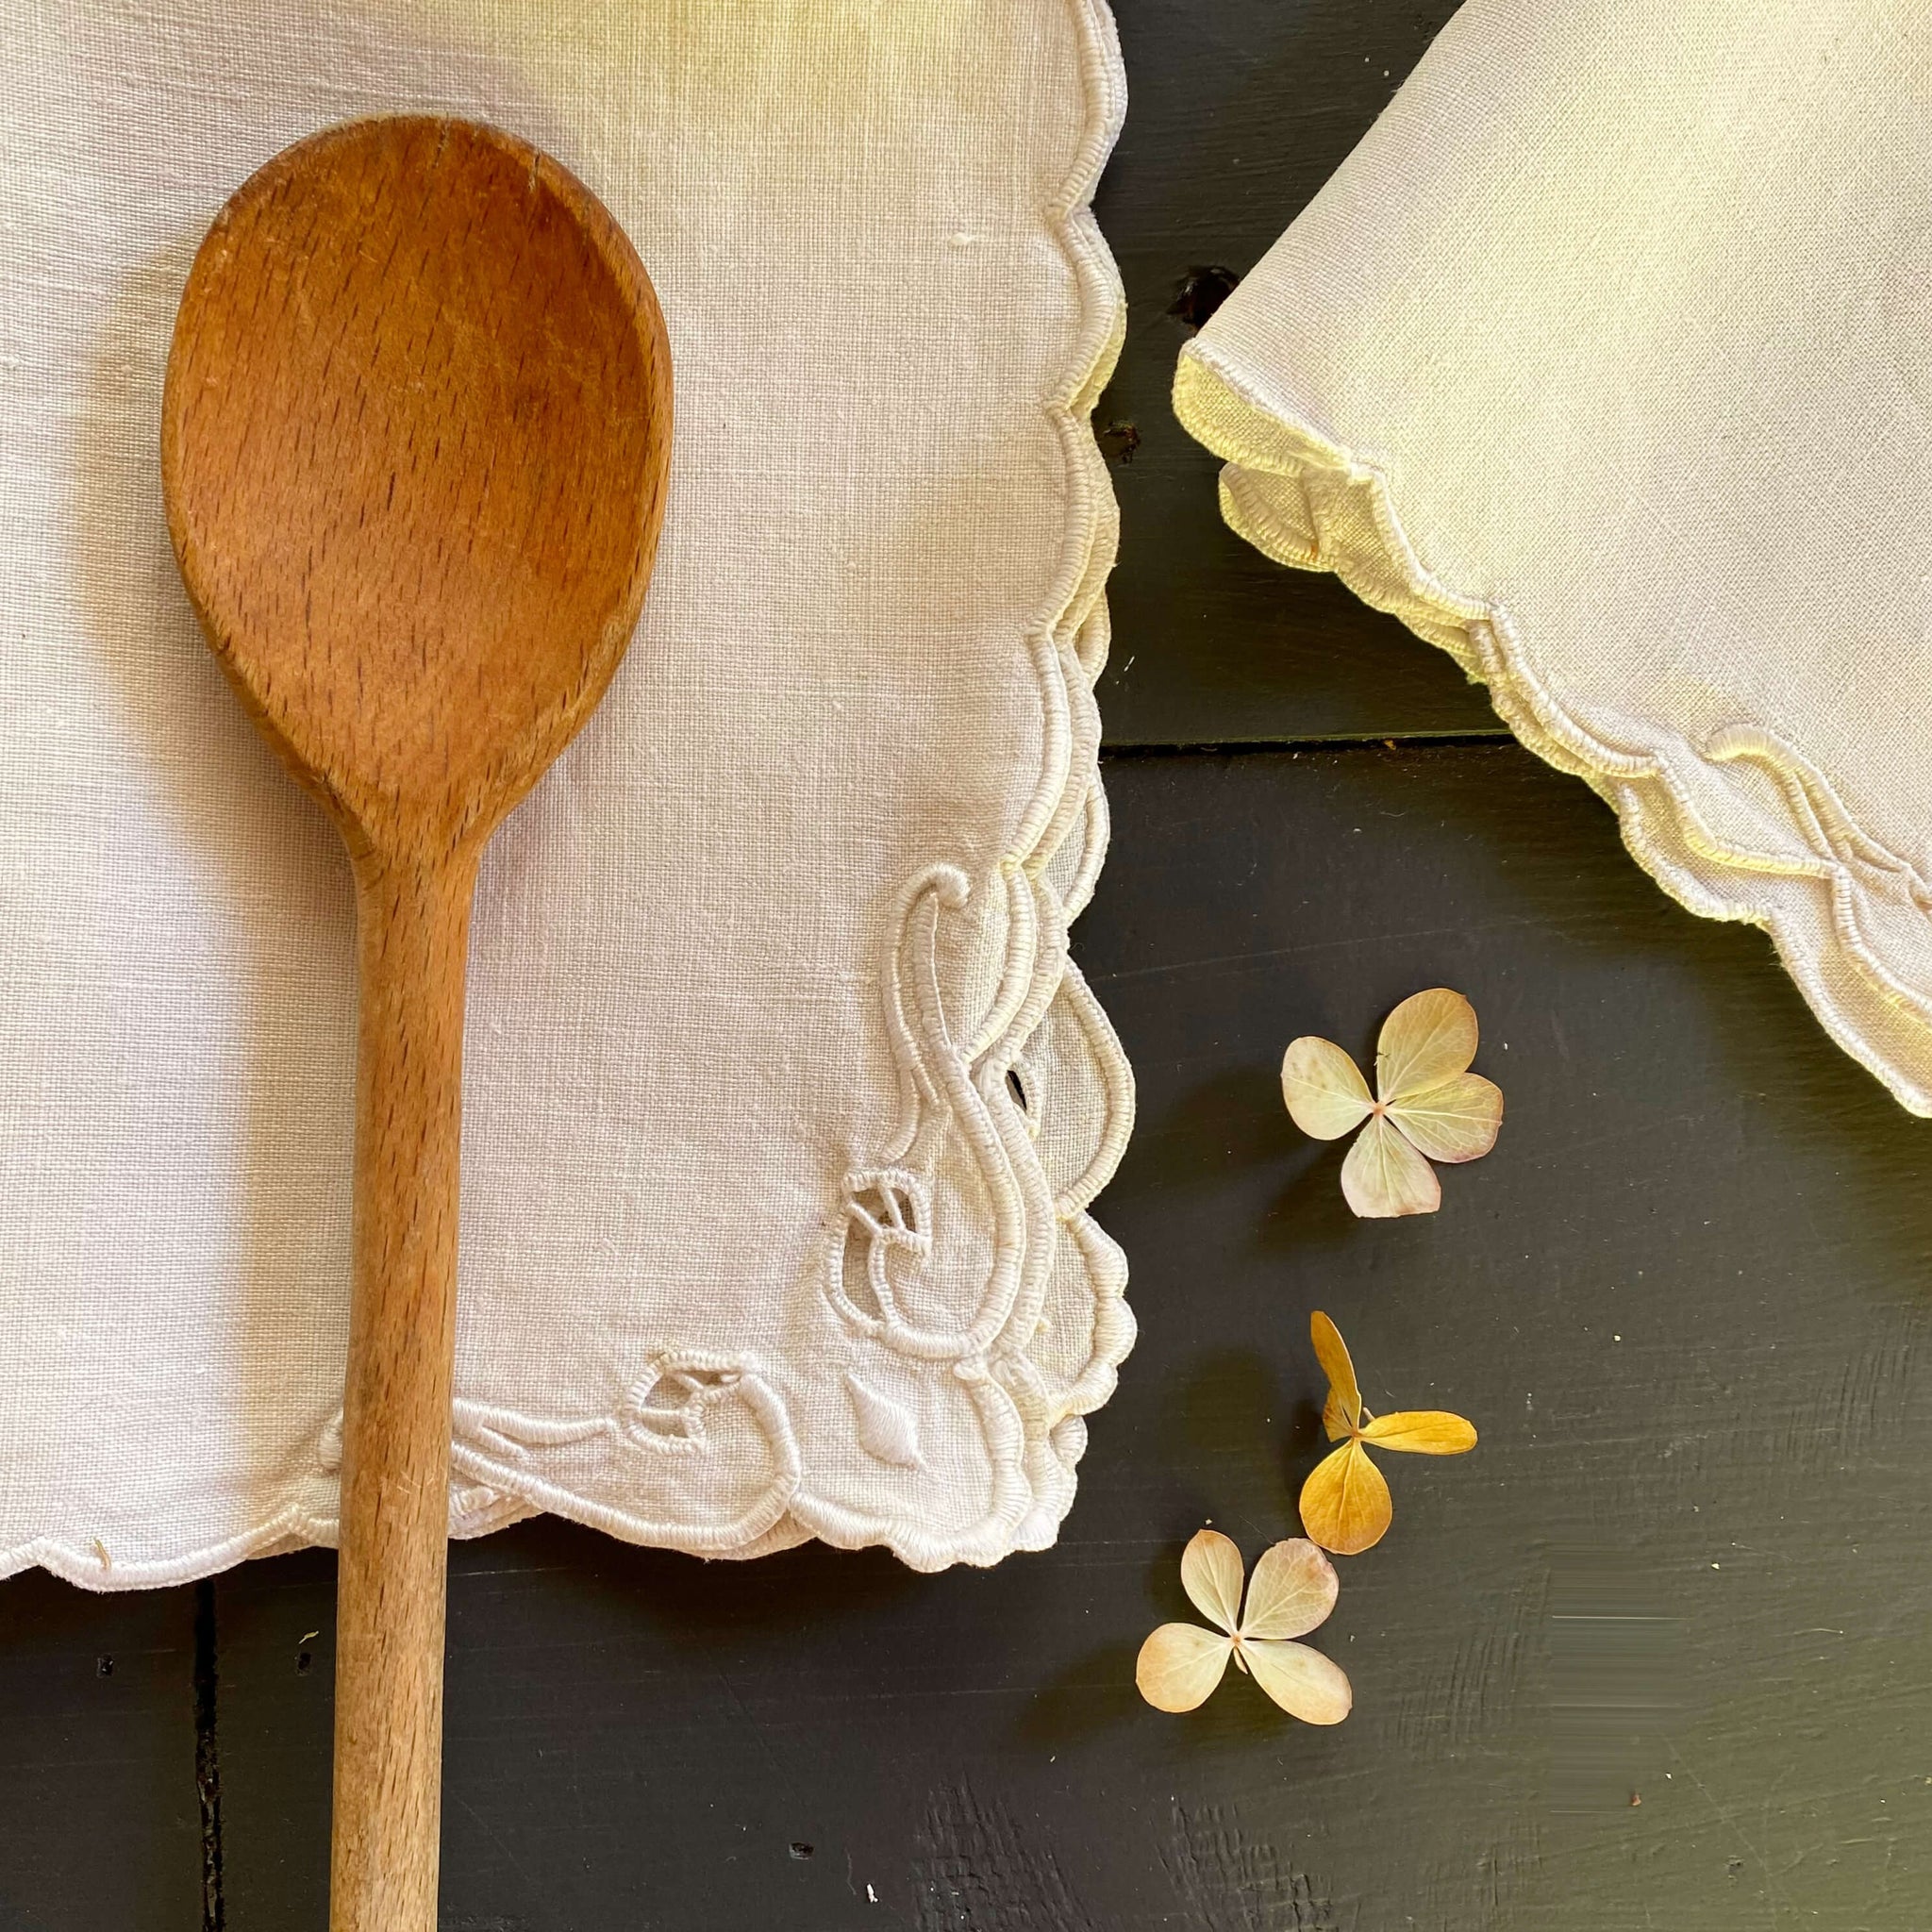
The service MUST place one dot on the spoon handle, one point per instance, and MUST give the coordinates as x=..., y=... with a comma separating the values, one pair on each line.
x=414, y=923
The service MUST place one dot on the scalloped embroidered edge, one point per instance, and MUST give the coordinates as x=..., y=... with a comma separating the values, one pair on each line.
x=1031, y=1424
x=1034, y=1427
x=1306, y=501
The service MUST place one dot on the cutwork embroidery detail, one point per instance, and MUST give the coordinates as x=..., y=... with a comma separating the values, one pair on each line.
x=1037, y=1341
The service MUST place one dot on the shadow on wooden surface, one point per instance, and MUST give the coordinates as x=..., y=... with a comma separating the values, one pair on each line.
x=1239, y=111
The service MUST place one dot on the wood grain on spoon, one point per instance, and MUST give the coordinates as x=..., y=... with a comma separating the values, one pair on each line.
x=414, y=442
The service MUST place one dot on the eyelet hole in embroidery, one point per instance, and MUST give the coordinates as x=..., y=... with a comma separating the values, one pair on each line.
x=670, y=1403
x=887, y=1202
x=888, y=1212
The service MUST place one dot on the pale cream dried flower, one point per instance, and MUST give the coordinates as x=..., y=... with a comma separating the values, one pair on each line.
x=1293, y=1591
x=1425, y=1102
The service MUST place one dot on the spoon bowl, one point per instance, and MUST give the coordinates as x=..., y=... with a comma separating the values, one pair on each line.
x=414, y=438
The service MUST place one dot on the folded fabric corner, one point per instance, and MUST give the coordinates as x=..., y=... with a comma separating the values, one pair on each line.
x=1601, y=365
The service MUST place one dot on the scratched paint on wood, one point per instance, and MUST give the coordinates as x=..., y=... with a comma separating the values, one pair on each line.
x=1681, y=1300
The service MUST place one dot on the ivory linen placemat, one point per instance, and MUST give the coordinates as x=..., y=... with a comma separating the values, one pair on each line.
x=1606, y=362
x=785, y=1104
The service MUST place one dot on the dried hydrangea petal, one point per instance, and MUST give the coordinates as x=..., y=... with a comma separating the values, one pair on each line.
x=1332, y=1353
x=1211, y=1575
x=1304, y=1683
x=1325, y=1090
x=1427, y=1037
x=1179, y=1666
x=1422, y=1431
x=1383, y=1176
x=1345, y=1504
x=1454, y=1120
x=1293, y=1591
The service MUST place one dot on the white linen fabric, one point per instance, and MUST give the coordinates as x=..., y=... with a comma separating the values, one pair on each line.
x=785, y=1105
x=1605, y=364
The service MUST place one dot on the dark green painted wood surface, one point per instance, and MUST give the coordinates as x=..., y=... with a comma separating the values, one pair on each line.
x=100, y=1812
x=1240, y=109
x=1685, y=1300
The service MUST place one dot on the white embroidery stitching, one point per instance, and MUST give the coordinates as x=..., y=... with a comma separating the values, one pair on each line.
x=1026, y=1417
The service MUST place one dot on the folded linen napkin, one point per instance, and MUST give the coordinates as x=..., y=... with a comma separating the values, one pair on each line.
x=785, y=1104
x=1605, y=364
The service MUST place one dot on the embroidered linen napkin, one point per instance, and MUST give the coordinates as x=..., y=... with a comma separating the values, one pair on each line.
x=1605, y=364
x=785, y=1105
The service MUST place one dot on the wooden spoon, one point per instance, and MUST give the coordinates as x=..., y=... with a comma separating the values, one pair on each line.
x=414, y=442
